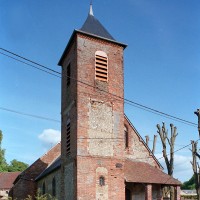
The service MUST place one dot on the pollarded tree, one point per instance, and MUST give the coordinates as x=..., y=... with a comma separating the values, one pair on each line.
x=196, y=168
x=166, y=141
x=195, y=154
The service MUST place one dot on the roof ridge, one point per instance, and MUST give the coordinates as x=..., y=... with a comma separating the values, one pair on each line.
x=50, y=150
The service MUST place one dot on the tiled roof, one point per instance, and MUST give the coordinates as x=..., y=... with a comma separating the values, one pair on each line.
x=34, y=170
x=7, y=179
x=55, y=165
x=140, y=172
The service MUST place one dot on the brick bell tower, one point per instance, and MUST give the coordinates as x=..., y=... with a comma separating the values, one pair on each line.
x=92, y=109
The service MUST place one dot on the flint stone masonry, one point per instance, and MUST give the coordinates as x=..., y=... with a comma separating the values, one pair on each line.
x=48, y=183
x=100, y=126
x=69, y=181
x=137, y=149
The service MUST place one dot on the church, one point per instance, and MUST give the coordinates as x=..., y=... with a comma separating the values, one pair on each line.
x=101, y=155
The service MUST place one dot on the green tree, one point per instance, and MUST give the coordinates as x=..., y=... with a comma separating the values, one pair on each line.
x=16, y=165
x=188, y=185
x=3, y=164
x=39, y=196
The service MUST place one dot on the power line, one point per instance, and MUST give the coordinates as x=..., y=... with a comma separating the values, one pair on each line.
x=182, y=145
x=30, y=60
x=54, y=120
x=178, y=149
x=29, y=115
x=163, y=114
x=127, y=101
x=29, y=65
x=57, y=121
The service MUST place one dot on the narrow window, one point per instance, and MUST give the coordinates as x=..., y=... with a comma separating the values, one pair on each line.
x=101, y=66
x=43, y=188
x=68, y=138
x=101, y=181
x=126, y=136
x=54, y=187
x=68, y=75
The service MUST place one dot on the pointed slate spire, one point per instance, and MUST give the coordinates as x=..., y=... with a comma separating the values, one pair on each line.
x=94, y=27
x=91, y=27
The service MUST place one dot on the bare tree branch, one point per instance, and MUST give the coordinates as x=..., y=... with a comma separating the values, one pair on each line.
x=147, y=140
x=154, y=144
x=163, y=133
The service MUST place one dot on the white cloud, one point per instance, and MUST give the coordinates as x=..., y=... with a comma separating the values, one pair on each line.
x=182, y=167
x=50, y=137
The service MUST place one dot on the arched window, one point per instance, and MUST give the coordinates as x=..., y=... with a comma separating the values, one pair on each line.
x=43, y=188
x=126, y=136
x=101, y=181
x=54, y=187
x=101, y=66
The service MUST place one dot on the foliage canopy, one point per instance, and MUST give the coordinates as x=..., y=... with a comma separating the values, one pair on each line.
x=14, y=166
x=189, y=185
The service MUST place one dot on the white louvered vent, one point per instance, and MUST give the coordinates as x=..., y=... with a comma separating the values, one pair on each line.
x=101, y=66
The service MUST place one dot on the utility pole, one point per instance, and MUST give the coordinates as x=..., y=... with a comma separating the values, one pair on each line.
x=196, y=169
x=195, y=165
x=197, y=113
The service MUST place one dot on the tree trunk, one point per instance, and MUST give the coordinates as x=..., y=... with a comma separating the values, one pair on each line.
x=195, y=169
x=154, y=144
x=169, y=161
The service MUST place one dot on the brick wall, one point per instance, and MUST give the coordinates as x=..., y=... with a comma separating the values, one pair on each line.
x=100, y=123
x=89, y=171
x=97, y=120
x=148, y=192
x=100, y=114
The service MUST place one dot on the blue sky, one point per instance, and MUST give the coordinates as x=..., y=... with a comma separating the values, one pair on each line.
x=161, y=68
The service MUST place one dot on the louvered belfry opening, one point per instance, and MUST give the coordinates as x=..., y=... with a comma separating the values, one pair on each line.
x=68, y=139
x=101, y=66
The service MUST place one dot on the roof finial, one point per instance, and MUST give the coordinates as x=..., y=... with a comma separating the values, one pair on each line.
x=91, y=10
